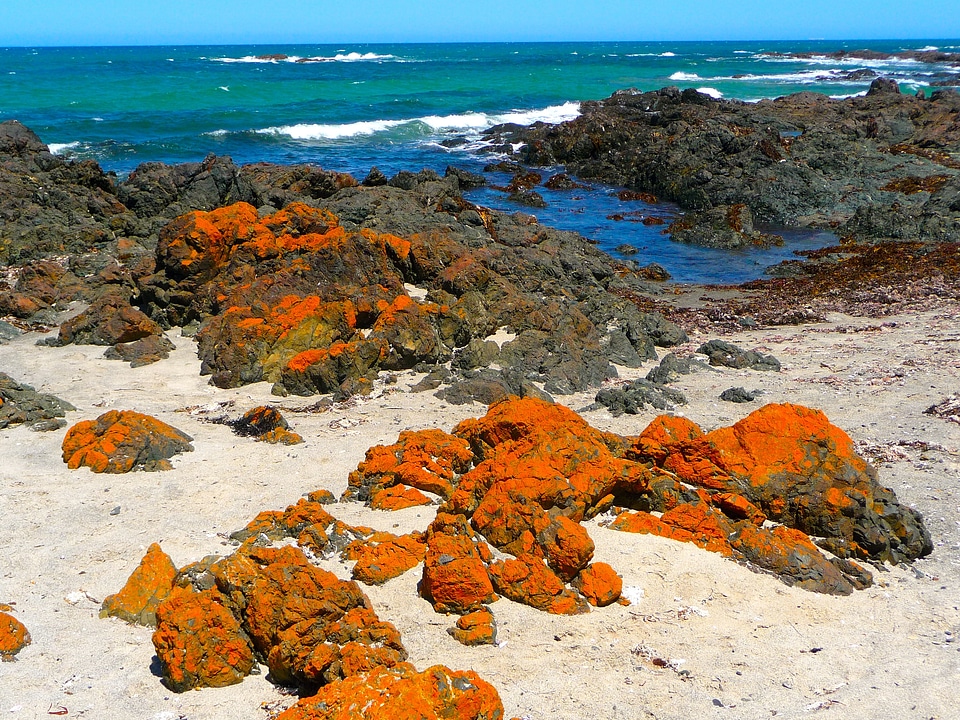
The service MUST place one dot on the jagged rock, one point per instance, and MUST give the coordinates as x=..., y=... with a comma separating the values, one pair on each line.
x=13, y=636
x=121, y=440
x=199, y=642
x=728, y=227
x=22, y=404
x=307, y=522
x=475, y=628
x=637, y=395
x=398, y=692
x=727, y=354
x=738, y=395
x=454, y=572
x=149, y=584
x=466, y=179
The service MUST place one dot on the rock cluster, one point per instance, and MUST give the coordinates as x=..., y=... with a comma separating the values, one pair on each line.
x=860, y=164
x=23, y=404
x=121, y=440
x=538, y=470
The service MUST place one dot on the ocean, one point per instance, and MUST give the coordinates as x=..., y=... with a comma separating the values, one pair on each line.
x=413, y=106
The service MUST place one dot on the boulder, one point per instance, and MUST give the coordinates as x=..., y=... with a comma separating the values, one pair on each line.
x=475, y=628
x=149, y=584
x=109, y=320
x=454, y=571
x=599, y=584
x=437, y=693
x=13, y=636
x=145, y=351
x=266, y=424
x=122, y=440
x=384, y=556
x=727, y=354
x=199, y=642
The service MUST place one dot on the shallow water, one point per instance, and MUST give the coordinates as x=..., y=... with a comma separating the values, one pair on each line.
x=352, y=107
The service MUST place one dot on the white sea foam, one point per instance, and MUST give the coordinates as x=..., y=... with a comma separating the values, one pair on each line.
x=712, y=92
x=339, y=57
x=465, y=122
x=685, y=76
x=741, y=52
x=332, y=132
x=846, y=61
x=667, y=54
x=850, y=95
x=928, y=48
x=58, y=148
x=217, y=133
x=224, y=88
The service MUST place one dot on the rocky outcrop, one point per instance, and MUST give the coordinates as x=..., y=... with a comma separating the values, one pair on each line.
x=149, y=585
x=13, y=635
x=437, y=693
x=122, y=440
x=21, y=403
x=803, y=159
x=725, y=354
x=266, y=424
x=538, y=470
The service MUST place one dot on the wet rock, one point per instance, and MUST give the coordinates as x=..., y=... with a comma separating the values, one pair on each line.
x=562, y=181
x=13, y=636
x=738, y=395
x=727, y=354
x=20, y=403
x=530, y=198
x=635, y=396
x=465, y=179
x=728, y=227
x=122, y=440
x=199, y=642
x=475, y=628
x=387, y=693
x=149, y=584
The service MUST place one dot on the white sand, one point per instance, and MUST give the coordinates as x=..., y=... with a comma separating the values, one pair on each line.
x=740, y=645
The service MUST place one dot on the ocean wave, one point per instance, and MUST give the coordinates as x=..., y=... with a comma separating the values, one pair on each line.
x=465, y=122
x=280, y=57
x=59, y=148
x=845, y=61
x=712, y=92
x=685, y=76
x=667, y=54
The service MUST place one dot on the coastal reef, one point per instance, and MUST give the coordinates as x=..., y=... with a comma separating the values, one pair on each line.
x=881, y=166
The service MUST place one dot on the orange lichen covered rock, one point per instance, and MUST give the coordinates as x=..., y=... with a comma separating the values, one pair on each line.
x=149, y=584
x=385, y=556
x=397, y=497
x=199, y=642
x=528, y=580
x=476, y=628
x=599, y=584
x=399, y=693
x=454, y=573
x=13, y=636
x=428, y=460
x=307, y=516
x=120, y=440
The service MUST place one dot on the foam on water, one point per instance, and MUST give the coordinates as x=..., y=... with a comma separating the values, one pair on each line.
x=59, y=148
x=712, y=92
x=306, y=131
x=685, y=76
x=299, y=59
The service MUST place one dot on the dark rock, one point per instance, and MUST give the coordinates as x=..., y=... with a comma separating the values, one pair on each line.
x=109, y=320
x=729, y=355
x=466, y=179
x=727, y=227
x=531, y=198
x=654, y=271
x=738, y=395
x=145, y=351
x=633, y=398
x=562, y=181
x=22, y=404
x=626, y=249
x=883, y=86
x=374, y=178
x=670, y=369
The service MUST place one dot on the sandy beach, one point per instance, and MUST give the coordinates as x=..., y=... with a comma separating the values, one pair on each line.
x=703, y=637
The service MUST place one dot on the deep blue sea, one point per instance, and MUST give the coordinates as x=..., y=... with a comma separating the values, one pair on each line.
x=350, y=107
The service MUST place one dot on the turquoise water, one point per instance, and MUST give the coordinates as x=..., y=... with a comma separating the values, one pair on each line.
x=351, y=107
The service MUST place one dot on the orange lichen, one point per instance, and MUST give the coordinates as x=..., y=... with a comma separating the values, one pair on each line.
x=13, y=636
x=118, y=441
x=149, y=584
x=599, y=584
x=475, y=628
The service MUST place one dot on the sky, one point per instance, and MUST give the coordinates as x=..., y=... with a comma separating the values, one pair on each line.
x=181, y=22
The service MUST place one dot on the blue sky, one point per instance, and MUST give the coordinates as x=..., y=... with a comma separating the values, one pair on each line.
x=164, y=22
